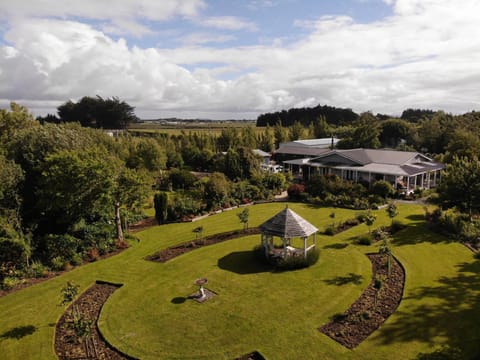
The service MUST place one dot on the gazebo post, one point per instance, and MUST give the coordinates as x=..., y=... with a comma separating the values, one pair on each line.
x=305, y=247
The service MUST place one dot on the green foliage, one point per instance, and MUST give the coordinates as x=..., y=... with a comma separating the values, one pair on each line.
x=181, y=179
x=296, y=131
x=69, y=292
x=160, y=201
x=297, y=261
x=391, y=210
x=382, y=188
x=243, y=216
x=364, y=240
x=460, y=184
x=369, y=219
x=9, y=282
x=145, y=153
x=59, y=246
x=98, y=113
x=365, y=134
x=81, y=325
x=329, y=230
x=37, y=270
x=216, y=190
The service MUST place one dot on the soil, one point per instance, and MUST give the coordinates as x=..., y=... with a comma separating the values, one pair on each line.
x=372, y=308
x=174, y=251
x=143, y=224
x=70, y=346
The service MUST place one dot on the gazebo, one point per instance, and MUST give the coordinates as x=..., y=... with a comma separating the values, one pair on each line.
x=287, y=225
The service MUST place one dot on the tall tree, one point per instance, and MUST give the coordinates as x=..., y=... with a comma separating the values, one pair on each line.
x=97, y=112
x=296, y=131
x=280, y=133
x=321, y=129
x=460, y=184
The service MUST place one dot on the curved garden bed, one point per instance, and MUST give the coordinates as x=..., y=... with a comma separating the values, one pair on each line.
x=68, y=344
x=177, y=250
x=377, y=302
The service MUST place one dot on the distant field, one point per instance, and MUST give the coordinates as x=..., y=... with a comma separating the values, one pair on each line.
x=211, y=127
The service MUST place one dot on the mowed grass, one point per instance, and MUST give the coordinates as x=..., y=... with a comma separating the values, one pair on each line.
x=255, y=309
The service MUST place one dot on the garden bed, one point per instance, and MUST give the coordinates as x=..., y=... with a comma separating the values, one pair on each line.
x=68, y=345
x=372, y=308
x=177, y=250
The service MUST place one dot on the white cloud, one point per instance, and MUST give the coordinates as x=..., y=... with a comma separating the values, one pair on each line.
x=227, y=23
x=258, y=4
x=410, y=59
x=204, y=38
x=121, y=15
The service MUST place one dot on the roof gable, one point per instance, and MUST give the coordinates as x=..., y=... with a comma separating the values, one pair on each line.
x=288, y=224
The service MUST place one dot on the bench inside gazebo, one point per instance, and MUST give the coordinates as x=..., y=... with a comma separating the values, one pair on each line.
x=287, y=225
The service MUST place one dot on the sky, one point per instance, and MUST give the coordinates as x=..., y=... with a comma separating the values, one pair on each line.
x=236, y=59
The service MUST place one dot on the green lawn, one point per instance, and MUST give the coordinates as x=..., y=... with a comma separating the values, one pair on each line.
x=275, y=313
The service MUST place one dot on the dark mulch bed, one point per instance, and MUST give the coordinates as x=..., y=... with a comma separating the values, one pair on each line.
x=174, y=251
x=143, y=224
x=68, y=345
x=365, y=315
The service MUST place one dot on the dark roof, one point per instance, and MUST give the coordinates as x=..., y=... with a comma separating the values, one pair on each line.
x=378, y=156
x=301, y=150
x=287, y=224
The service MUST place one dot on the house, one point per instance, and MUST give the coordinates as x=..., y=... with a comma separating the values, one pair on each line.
x=264, y=155
x=405, y=170
x=304, y=148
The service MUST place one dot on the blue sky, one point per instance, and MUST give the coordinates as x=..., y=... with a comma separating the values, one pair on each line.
x=237, y=59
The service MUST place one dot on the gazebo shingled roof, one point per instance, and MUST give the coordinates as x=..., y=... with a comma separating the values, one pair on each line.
x=288, y=224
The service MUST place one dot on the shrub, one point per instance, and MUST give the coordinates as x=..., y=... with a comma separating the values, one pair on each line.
x=338, y=317
x=69, y=292
x=297, y=262
x=477, y=255
x=364, y=240
x=295, y=190
x=37, y=270
x=329, y=230
x=9, y=282
x=76, y=260
x=57, y=263
x=382, y=188
x=379, y=233
x=361, y=217
x=161, y=206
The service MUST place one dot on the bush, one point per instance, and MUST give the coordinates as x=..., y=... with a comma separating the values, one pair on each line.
x=57, y=263
x=382, y=188
x=76, y=260
x=364, y=240
x=329, y=230
x=297, y=262
x=295, y=190
x=477, y=255
x=37, y=270
x=9, y=282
